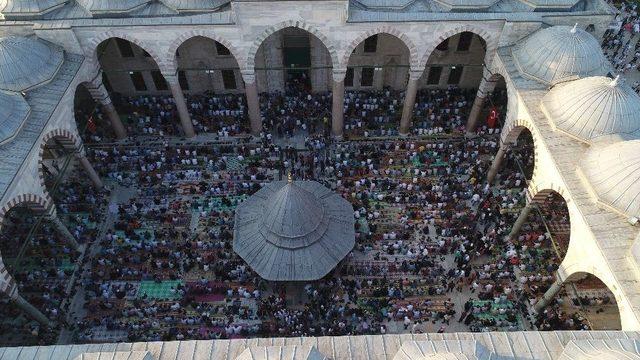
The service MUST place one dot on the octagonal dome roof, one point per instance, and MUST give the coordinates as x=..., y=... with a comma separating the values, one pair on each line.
x=593, y=107
x=14, y=111
x=559, y=53
x=293, y=231
x=26, y=63
x=614, y=174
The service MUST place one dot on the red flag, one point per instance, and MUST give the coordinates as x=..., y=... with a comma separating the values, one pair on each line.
x=91, y=125
x=492, y=117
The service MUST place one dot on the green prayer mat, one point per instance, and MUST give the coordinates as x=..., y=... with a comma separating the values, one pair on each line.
x=161, y=290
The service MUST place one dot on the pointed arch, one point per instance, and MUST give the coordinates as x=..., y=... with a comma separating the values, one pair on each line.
x=388, y=30
x=96, y=41
x=253, y=50
x=212, y=35
x=486, y=36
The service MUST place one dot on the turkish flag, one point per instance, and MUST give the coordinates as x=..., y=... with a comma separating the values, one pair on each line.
x=91, y=125
x=492, y=117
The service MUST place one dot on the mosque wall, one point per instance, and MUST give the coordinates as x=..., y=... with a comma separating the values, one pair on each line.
x=600, y=23
x=119, y=68
x=515, y=31
x=556, y=157
x=471, y=61
x=270, y=56
x=586, y=253
x=203, y=66
x=61, y=119
x=321, y=62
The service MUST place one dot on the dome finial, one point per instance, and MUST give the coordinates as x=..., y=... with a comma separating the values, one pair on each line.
x=615, y=81
x=575, y=28
x=289, y=177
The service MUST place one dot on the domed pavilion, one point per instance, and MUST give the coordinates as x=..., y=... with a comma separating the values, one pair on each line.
x=294, y=230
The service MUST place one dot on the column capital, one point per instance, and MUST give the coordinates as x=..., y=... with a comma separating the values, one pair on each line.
x=339, y=74
x=93, y=64
x=12, y=292
x=99, y=92
x=50, y=212
x=487, y=84
x=415, y=74
x=171, y=78
x=248, y=75
x=8, y=286
x=79, y=151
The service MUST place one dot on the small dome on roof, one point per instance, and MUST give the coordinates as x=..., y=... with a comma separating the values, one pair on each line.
x=14, y=111
x=614, y=174
x=30, y=8
x=593, y=107
x=26, y=63
x=110, y=6
x=559, y=53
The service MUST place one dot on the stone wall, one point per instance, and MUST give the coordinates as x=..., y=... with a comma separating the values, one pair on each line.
x=202, y=65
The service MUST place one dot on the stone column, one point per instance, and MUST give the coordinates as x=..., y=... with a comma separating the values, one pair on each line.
x=29, y=309
x=181, y=105
x=99, y=93
x=61, y=228
x=253, y=102
x=409, y=102
x=487, y=84
x=522, y=218
x=549, y=295
x=497, y=161
x=88, y=168
x=337, y=108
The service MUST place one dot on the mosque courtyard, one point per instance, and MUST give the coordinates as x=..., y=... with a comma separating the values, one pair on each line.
x=220, y=176
x=431, y=251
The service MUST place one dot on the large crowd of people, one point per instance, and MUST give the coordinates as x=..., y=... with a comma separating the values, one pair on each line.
x=432, y=249
x=620, y=42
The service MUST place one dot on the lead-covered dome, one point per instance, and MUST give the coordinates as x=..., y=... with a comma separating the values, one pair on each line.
x=30, y=8
x=100, y=7
x=26, y=63
x=14, y=111
x=614, y=174
x=559, y=53
x=293, y=231
x=593, y=107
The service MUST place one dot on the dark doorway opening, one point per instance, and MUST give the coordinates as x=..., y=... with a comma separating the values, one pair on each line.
x=296, y=49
